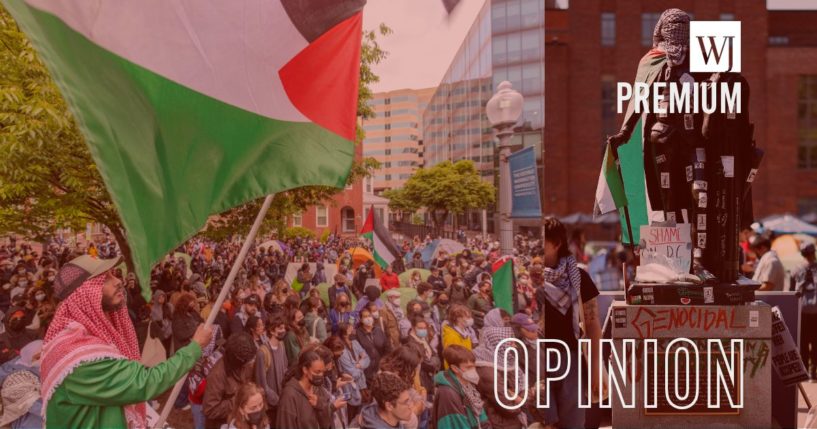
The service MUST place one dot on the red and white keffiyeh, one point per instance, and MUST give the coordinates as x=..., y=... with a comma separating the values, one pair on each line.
x=82, y=332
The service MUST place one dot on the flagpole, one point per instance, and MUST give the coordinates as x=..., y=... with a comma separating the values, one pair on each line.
x=228, y=284
x=626, y=208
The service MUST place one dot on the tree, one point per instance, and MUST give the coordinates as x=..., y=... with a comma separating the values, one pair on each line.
x=442, y=189
x=48, y=179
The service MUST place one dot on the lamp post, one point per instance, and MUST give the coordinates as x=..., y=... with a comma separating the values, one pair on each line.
x=503, y=110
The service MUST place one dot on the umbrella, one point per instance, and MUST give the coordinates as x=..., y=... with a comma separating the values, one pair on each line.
x=607, y=219
x=787, y=248
x=406, y=295
x=406, y=276
x=788, y=224
x=360, y=256
x=450, y=246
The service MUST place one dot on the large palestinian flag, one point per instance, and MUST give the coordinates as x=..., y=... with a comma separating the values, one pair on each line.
x=384, y=250
x=190, y=108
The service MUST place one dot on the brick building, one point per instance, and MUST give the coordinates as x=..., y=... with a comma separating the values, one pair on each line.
x=343, y=214
x=594, y=44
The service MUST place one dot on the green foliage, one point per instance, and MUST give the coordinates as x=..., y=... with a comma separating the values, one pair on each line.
x=325, y=235
x=48, y=179
x=298, y=232
x=417, y=219
x=442, y=189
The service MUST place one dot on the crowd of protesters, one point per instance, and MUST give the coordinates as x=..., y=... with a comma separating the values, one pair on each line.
x=292, y=352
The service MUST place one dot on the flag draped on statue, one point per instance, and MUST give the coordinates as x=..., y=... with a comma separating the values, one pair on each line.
x=503, y=283
x=192, y=108
x=632, y=158
x=384, y=250
x=610, y=189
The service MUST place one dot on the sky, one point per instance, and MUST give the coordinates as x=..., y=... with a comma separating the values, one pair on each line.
x=425, y=40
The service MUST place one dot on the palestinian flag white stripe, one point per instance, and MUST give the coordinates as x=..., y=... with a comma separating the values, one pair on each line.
x=230, y=53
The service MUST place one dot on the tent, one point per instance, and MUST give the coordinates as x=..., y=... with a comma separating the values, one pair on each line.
x=292, y=271
x=787, y=248
x=406, y=276
x=788, y=224
x=276, y=246
x=449, y=246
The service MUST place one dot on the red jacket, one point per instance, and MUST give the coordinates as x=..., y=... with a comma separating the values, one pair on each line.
x=389, y=281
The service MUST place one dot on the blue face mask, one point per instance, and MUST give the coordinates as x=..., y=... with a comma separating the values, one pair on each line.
x=421, y=333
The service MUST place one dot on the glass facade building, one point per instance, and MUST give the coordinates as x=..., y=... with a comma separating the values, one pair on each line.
x=506, y=42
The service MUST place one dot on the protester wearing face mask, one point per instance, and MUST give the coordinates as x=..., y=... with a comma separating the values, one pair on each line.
x=422, y=338
x=249, y=412
x=304, y=402
x=458, y=329
x=392, y=314
x=271, y=363
x=458, y=292
x=373, y=340
x=457, y=402
x=297, y=336
x=439, y=310
x=341, y=313
x=227, y=376
x=525, y=294
x=481, y=303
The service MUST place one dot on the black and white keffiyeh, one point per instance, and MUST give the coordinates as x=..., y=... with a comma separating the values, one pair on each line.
x=671, y=35
x=562, y=287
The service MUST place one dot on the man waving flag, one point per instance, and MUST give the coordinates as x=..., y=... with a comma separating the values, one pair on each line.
x=192, y=107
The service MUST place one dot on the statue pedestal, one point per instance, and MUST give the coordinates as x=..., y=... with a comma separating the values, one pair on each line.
x=699, y=324
x=736, y=293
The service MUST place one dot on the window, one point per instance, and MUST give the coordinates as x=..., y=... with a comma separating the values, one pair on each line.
x=648, y=21
x=321, y=216
x=388, y=126
x=387, y=114
x=388, y=151
x=608, y=29
x=368, y=182
x=387, y=165
x=298, y=219
x=778, y=40
x=348, y=217
x=807, y=118
x=388, y=101
x=388, y=177
x=531, y=45
x=388, y=139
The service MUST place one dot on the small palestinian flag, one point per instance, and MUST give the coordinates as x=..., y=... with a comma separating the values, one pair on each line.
x=190, y=108
x=503, y=286
x=384, y=250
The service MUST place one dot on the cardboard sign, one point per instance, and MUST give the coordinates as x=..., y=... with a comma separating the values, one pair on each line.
x=670, y=246
x=788, y=365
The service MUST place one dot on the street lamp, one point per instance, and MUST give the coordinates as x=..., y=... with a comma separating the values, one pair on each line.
x=503, y=110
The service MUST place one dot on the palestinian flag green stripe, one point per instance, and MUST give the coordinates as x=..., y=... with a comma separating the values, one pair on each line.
x=503, y=284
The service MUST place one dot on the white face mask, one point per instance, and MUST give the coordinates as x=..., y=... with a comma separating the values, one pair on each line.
x=368, y=321
x=39, y=296
x=469, y=323
x=470, y=376
x=51, y=278
x=376, y=314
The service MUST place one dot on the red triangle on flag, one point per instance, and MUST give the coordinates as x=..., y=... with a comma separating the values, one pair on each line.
x=322, y=80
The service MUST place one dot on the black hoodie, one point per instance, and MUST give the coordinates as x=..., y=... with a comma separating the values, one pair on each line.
x=295, y=411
